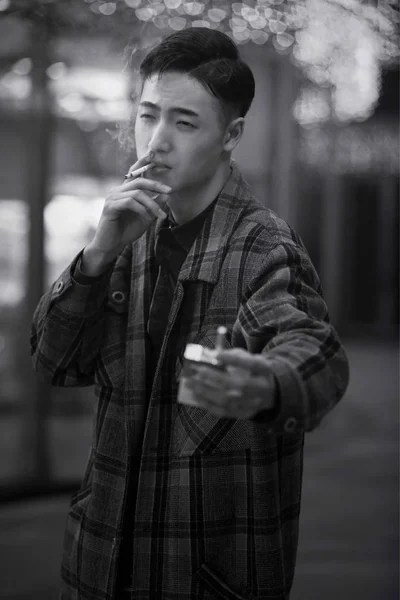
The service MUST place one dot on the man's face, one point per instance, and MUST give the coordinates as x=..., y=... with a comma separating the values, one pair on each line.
x=179, y=120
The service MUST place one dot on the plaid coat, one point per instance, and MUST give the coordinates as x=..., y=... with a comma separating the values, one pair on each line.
x=218, y=499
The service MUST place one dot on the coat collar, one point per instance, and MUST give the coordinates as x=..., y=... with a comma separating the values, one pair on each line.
x=204, y=259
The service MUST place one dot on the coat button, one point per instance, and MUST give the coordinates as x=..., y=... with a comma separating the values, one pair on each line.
x=59, y=286
x=118, y=297
x=290, y=424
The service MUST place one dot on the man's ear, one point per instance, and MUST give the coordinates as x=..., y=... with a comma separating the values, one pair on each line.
x=233, y=134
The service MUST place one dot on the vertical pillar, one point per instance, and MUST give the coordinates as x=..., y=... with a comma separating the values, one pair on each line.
x=39, y=133
x=285, y=140
x=331, y=233
x=386, y=310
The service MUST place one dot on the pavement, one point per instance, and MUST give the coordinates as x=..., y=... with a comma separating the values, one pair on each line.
x=349, y=527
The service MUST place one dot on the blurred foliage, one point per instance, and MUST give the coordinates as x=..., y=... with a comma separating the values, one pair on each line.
x=340, y=45
x=63, y=16
x=273, y=19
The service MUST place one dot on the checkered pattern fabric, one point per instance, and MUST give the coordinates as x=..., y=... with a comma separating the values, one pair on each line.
x=218, y=500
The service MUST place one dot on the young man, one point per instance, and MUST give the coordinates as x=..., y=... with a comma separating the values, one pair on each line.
x=184, y=502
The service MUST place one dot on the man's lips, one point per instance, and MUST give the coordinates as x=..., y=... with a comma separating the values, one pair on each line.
x=160, y=167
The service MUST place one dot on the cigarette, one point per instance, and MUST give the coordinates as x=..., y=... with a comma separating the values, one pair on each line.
x=221, y=333
x=140, y=171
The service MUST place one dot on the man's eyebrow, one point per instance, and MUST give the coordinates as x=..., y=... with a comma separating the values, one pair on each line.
x=175, y=109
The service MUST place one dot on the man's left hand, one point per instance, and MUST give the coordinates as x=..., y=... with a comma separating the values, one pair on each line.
x=244, y=388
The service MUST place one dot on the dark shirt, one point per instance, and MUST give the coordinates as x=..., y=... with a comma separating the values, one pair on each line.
x=171, y=249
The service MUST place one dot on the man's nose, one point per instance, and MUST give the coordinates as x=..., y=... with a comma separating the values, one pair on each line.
x=159, y=140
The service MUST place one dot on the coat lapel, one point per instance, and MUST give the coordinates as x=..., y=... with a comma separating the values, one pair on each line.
x=143, y=271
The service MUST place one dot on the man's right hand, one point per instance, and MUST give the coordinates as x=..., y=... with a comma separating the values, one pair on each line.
x=128, y=211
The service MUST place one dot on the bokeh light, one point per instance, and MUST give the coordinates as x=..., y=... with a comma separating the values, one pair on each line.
x=338, y=44
x=108, y=8
x=14, y=230
x=22, y=66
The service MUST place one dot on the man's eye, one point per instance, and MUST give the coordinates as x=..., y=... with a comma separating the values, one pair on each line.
x=187, y=124
x=145, y=117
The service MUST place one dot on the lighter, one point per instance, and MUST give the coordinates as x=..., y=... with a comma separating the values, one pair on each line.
x=194, y=355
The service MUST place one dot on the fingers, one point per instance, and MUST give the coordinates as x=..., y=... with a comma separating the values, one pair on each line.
x=230, y=403
x=213, y=385
x=146, y=184
x=232, y=383
x=222, y=403
x=231, y=377
x=243, y=388
x=138, y=202
x=156, y=200
x=152, y=205
x=141, y=162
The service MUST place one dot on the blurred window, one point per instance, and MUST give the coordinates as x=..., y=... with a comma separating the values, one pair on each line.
x=70, y=222
x=14, y=226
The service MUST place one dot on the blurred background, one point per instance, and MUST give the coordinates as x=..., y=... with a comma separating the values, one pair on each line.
x=321, y=148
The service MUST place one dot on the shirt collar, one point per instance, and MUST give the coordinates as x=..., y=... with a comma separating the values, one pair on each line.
x=186, y=233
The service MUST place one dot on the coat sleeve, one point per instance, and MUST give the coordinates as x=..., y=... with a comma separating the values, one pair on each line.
x=67, y=327
x=283, y=316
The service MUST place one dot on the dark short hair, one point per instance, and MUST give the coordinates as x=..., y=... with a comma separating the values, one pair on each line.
x=212, y=58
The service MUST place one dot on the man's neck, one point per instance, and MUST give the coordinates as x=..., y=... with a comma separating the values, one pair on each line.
x=189, y=203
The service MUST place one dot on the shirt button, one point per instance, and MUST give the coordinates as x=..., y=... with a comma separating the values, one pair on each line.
x=59, y=286
x=118, y=297
x=290, y=424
